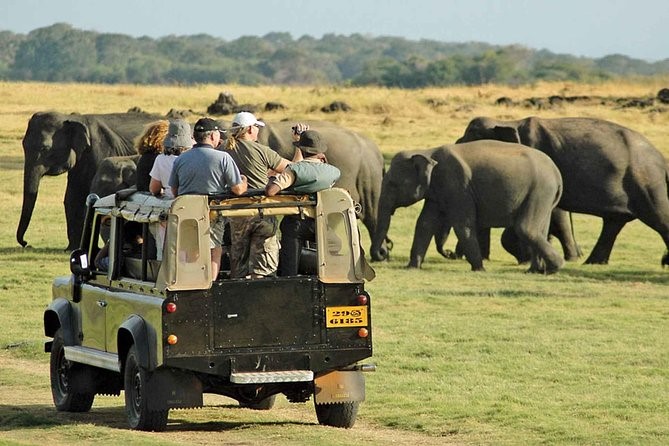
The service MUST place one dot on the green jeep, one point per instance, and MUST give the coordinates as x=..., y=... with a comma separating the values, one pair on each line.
x=156, y=325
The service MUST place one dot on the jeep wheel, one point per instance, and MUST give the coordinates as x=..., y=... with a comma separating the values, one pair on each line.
x=337, y=414
x=136, y=399
x=63, y=373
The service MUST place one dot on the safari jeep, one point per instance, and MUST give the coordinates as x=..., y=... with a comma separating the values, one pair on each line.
x=159, y=327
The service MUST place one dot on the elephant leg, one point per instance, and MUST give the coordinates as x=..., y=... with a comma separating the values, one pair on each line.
x=483, y=236
x=511, y=243
x=440, y=239
x=655, y=214
x=428, y=224
x=470, y=244
x=532, y=229
x=602, y=250
x=562, y=229
x=75, y=211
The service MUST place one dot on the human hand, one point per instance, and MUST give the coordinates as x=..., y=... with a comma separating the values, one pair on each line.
x=298, y=128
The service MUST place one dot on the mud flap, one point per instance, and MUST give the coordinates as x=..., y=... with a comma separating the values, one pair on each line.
x=170, y=389
x=339, y=387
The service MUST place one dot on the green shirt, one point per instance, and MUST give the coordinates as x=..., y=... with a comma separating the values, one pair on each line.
x=254, y=160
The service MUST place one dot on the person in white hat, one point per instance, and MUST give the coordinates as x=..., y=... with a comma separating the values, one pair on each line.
x=254, y=250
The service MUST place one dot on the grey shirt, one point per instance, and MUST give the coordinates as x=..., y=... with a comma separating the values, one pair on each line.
x=204, y=170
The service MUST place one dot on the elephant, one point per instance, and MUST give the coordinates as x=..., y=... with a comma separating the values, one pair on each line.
x=470, y=186
x=115, y=173
x=55, y=143
x=608, y=171
x=357, y=157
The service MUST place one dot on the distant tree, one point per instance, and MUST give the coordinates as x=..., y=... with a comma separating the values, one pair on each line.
x=9, y=45
x=56, y=53
x=294, y=66
x=445, y=72
x=61, y=53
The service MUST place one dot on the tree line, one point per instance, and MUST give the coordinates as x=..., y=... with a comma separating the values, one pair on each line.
x=61, y=53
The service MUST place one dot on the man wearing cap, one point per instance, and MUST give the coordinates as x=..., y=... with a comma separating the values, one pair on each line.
x=306, y=177
x=254, y=250
x=203, y=170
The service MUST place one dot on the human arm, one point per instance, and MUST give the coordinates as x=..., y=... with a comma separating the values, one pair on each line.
x=155, y=187
x=279, y=183
x=297, y=131
x=240, y=188
x=102, y=253
x=272, y=189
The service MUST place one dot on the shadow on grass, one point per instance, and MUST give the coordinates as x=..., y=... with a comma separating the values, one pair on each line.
x=581, y=272
x=39, y=416
x=591, y=272
x=30, y=250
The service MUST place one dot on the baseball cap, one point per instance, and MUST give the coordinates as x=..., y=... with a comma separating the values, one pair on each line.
x=311, y=142
x=206, y=125
x=246, y=119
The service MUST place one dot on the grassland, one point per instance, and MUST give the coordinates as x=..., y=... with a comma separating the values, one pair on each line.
x=501, y=357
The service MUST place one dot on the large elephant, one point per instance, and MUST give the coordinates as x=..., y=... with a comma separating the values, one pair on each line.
x=608, y=171
x=55, y=143
x=482, y=184
x=357, y=157
x=560, y=228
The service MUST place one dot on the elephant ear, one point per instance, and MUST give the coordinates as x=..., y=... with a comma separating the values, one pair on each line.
x=506, y=134
x=78, y=137
x=423, y=166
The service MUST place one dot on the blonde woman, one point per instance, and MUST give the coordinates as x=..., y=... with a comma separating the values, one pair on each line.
x=149, y=145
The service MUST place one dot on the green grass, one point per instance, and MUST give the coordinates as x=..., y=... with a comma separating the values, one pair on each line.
x=499, y=357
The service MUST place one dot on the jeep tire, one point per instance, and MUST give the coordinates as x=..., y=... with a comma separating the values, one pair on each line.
x=337, y=414
x=63, y=374
x=136, y=399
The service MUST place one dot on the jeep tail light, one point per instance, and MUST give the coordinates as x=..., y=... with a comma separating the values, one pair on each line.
x=171, y=307
x=362, y=299
x=172, y=339
x=363, y=332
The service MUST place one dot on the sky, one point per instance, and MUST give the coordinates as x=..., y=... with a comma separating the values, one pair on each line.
x=590, y=28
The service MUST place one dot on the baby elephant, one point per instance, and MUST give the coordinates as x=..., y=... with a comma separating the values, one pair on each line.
x=482, y=184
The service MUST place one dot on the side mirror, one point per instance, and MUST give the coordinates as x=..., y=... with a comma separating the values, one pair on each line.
x=79, y=265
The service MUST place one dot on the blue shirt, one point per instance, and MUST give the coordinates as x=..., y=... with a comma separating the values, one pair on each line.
x=204, y=170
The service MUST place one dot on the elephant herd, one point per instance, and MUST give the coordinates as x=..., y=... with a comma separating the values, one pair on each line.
x=525, y=176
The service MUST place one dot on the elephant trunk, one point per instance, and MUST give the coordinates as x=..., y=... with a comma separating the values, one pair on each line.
x=31, y=180
x=379, y=250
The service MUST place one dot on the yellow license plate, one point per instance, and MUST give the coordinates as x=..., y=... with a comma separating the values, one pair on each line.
x=337, y=317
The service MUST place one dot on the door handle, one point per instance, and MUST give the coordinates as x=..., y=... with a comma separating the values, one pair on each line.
x=102, y=303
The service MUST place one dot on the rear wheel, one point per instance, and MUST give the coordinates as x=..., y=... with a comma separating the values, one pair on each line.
x=64, y=374
x=265, y=404
x=248, y=399
x=136, y=399
x=337, y=414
